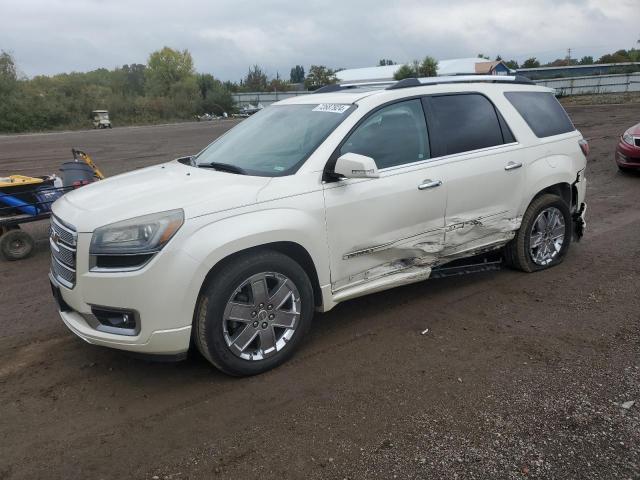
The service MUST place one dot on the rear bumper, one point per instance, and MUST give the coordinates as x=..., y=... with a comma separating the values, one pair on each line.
x=579, y=222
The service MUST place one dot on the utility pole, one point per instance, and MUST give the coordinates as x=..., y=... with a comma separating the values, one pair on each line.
x=569, y=56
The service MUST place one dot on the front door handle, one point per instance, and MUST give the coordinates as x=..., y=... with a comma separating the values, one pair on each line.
x=429, y=184
x=512, y=166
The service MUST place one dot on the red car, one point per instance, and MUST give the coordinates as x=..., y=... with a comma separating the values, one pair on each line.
x=628, y=150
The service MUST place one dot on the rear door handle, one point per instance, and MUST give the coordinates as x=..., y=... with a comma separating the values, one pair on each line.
x=429, y=184
x=512, y=166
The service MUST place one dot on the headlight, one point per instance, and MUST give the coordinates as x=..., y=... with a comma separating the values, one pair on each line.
x=137, y=236
x=627, y=138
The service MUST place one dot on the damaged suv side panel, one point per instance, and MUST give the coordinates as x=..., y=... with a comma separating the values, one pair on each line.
x=485, y=178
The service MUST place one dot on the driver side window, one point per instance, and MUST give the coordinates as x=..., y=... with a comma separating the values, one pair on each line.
x=394, y=135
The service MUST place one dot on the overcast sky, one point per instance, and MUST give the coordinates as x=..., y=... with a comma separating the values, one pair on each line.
x=225, y=37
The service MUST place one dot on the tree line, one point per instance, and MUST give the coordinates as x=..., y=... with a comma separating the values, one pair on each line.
x=620, y=56
x=168, y=88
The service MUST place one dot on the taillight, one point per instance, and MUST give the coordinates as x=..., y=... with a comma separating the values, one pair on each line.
x=80, y=183
x=584, y=146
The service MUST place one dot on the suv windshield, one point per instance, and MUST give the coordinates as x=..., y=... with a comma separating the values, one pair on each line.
x=275, y=141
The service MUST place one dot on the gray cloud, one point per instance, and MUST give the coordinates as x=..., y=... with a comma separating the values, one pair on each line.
x=226, y=37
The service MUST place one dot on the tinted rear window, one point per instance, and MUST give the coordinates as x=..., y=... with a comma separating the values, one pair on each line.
x=464, y=122
x=542, y=112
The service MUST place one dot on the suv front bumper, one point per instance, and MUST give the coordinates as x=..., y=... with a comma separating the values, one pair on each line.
x=163, y=295
x=160, y=342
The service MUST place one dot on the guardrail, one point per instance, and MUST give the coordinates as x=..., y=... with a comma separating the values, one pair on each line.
x=593, y=84
x=596, y=84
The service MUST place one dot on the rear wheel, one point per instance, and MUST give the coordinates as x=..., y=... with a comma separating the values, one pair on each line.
x=544, y=236
x=16, y=244
x=254, y=313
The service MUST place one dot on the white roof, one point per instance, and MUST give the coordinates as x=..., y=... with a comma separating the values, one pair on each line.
x=343, y=97
x=459, y=65
x=445, y=67
x=369, y=73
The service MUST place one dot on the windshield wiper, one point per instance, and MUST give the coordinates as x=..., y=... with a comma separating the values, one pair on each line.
x=224, y=167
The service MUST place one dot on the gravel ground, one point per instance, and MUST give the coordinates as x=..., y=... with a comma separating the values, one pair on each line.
x=519, y=376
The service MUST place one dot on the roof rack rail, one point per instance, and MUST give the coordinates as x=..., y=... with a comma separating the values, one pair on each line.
x=417, y=82
x=336, y=87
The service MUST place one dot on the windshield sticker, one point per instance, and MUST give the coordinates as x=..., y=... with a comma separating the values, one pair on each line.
x=331, y=107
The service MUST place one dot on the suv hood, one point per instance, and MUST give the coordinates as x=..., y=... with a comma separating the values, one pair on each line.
x=198, y=191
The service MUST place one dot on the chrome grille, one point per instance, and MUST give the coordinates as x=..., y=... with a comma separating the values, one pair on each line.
x=63, y=253
x=62, y=274
x=63, y=241
x=64, y=232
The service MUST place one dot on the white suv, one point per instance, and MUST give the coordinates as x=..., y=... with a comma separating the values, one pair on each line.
x=315, y=200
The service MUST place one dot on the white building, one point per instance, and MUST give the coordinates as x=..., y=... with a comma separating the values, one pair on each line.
x=456, y=66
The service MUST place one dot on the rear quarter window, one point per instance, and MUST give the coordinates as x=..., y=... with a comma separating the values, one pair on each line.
x=542, y=112
x=464, y=122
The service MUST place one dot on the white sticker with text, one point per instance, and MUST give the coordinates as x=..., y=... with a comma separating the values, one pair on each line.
x=331, y=107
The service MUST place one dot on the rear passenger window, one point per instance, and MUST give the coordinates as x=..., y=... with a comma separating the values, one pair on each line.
x=542, y=112
x=393, y=135
x=464, y=122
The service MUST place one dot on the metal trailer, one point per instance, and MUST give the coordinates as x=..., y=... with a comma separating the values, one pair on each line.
x=28, y=199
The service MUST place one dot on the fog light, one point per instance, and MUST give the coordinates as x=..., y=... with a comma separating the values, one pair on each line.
x=124, y=319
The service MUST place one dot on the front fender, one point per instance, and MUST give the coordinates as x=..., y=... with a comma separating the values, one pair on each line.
x=215, y=240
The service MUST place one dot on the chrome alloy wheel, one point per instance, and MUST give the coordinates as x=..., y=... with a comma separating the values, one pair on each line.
x=547, y=236
x=261, y=316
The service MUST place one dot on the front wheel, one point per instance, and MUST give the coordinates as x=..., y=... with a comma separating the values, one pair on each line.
x=544, y=236
x=254, y=313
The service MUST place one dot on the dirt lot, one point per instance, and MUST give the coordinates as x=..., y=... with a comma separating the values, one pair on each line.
x=518, y=376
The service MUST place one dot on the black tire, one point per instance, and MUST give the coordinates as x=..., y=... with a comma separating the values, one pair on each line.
x=208, y=331
x=517, y=252
x=16, y=244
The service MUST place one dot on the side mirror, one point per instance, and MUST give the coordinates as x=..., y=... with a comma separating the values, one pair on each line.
x=353, y=165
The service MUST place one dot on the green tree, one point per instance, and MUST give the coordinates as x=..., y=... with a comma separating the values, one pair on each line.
x=8, y=73
x=531, y=63
x=230, y=86
x=586, y=60
x=512, y=64
x=218, y=99
x=405, y=71
x=256, y=80
x=278, y=85
x=428, y=67
x=206, y=83
x=166, y=68
x=620, y=56
x=297, y=74
x=385, y=61
x=319, y=76
x=558, y=62
x=482, y=55
x=134, y=78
